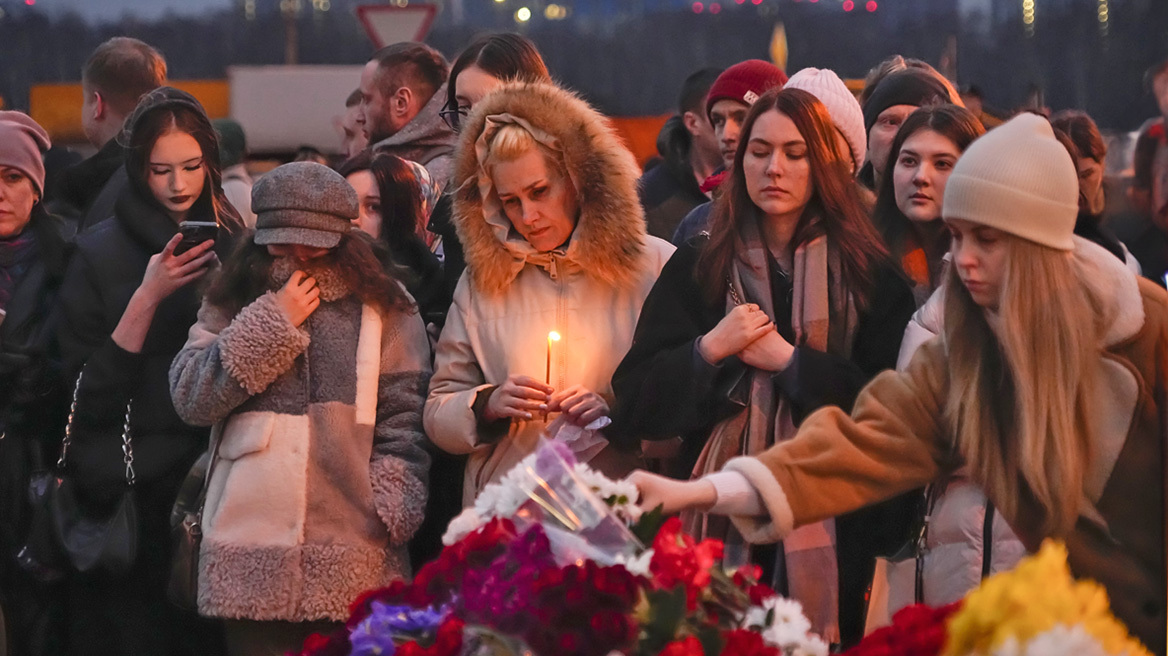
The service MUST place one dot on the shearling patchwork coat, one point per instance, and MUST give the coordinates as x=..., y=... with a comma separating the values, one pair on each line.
x=510, y=297
x=321, y=477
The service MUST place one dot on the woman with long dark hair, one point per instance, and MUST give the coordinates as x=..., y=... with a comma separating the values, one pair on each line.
x=486, y=64
x=908, y=204
x=396, y=197
x=312, y=363
x=791, y=304
x=1048, y=385
x=126, y=303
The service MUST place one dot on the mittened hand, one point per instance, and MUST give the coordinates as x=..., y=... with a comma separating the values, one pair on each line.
x=299, y=297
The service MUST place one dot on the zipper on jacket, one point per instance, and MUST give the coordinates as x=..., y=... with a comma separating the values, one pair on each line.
x=561, y=326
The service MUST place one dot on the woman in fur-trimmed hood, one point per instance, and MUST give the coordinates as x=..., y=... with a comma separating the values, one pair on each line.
x=547, y=212
x=311, y=363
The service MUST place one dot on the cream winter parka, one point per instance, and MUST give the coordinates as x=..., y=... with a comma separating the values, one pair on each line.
x=510, y=296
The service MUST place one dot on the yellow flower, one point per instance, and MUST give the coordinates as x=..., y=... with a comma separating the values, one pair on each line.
x=1031, y=599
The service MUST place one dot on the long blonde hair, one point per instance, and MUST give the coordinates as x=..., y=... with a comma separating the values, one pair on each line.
x=1020, y=397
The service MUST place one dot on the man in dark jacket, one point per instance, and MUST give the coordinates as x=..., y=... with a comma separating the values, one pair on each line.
x=117, y=74
x=690, y=151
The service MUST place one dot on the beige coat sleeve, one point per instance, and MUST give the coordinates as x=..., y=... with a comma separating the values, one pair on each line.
x=449, y=415
x=892, y=443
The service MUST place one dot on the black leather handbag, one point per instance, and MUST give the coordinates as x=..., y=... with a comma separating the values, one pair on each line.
x=66, y=536
x=186, y=530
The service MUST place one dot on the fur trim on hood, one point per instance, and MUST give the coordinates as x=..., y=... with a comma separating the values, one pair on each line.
x=608, y=241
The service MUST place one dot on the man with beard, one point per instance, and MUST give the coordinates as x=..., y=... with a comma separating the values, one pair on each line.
x=403, y=87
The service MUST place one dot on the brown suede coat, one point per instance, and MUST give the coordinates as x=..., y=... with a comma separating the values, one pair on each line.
x=321, y=477
x=897, y=440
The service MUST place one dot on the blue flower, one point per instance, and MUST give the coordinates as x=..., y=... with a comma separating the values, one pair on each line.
x=375, y=635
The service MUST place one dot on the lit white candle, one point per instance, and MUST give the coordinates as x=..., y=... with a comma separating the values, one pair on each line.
x=553, y=336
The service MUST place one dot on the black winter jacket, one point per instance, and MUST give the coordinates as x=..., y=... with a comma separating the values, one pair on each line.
x=669, y=191
x=87, y=191
x=107, y=267
x=33, y=402
x=663, y=388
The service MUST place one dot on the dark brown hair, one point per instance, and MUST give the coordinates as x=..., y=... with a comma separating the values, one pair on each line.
x=957, y=124
x=123, y=70
x=410, y=64
x=245, y=275
x=1083, y=133
x=212, y=203
x=400, y=191
x=836, y=208
x=505, y=56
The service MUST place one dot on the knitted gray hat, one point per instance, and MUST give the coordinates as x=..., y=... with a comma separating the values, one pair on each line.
x=303, y=203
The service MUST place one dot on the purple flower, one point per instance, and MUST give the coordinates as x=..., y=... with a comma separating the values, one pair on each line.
x=554, y=458
x=374, y=636
x=500, y=594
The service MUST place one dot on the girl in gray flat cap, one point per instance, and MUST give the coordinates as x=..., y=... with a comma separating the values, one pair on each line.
x=312, y=365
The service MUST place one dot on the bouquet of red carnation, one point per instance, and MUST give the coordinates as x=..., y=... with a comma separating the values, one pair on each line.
x=916, y=630
x=548, y=564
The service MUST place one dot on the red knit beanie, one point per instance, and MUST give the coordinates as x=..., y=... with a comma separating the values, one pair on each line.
x=745, y=82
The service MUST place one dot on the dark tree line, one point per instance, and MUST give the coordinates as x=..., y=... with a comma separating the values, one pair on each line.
x=634, y=65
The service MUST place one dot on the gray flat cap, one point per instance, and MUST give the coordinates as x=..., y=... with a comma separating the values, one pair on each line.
x=303, y=203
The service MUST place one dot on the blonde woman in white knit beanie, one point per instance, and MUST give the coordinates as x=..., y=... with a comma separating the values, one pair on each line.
x=1047, y=382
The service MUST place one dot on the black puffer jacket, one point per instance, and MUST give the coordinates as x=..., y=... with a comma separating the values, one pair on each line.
x=107, y=267
x=29, y=365
x=670, y=191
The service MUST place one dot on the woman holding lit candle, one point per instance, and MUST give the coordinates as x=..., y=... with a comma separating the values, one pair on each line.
x=547, y=212
x=791, y=303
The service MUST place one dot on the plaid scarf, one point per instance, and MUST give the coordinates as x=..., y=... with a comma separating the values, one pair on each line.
x=824, y=318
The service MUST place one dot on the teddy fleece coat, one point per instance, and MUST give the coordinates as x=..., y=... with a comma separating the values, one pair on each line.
x=510, y=296
x=321, y=477
x=897, y=439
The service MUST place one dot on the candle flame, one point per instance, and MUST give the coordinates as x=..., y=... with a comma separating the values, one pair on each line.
x=553, y=336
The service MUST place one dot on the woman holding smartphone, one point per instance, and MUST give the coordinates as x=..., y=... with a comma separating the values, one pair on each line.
x=125, y=306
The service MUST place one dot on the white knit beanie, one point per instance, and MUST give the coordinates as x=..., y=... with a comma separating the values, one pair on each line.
x=1019, y=179
x=841, y=105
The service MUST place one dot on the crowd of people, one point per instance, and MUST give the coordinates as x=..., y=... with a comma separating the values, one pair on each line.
x=879, y=351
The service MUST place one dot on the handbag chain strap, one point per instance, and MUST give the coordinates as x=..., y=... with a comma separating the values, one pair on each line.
x=127, y=446
x=733, y=292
